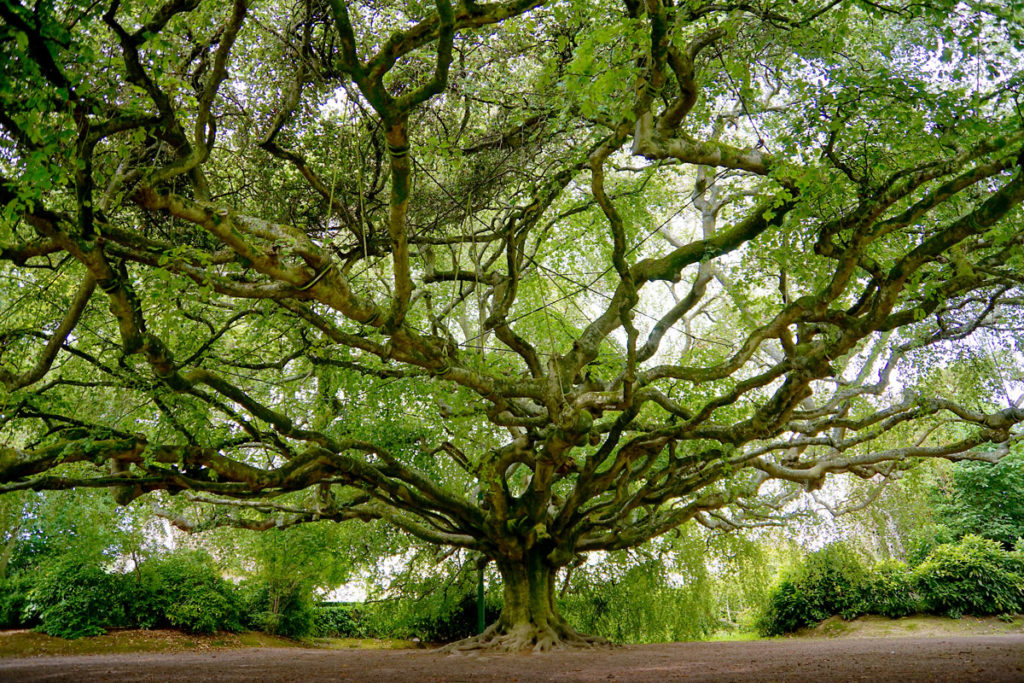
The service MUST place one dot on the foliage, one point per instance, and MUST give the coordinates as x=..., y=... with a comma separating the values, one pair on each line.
x=827, y=582
x=185, y=590
x=642, y=606
x=744, y=571
x=284, y=610
x=74, y=597
x=83, y=523
x=984, y=500
x=322, y=264
x=940, y=504
x=926, y=539
x=289, y=564
x=889, y=589
x=436, y=609
x=339, y=620
x=15, y=593
x=973, y=576
x=449, y=620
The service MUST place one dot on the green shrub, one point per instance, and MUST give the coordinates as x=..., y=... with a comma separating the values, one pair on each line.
x=926, y=539
x=453, y=621
x=144, y=604
x=339, y=620
x=443, y=613
x=252, y=599
x=429, y=618
x=974, y=576
x=984, y=499
x=889, y=590
x=278, y=608
x=785, y=610
x=75, y=598
x=826, y=583
x=184, y=590
x=14, y=598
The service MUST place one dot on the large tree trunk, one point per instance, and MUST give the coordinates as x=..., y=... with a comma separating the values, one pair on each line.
x=529, y=618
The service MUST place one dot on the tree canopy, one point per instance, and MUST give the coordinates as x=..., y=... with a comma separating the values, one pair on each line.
x=530, y=278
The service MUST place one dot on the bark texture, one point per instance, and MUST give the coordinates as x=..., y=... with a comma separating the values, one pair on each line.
x=529, y=618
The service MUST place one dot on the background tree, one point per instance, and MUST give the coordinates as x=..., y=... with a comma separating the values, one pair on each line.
x=985, y=502
x=526, y=278
x=288, y=566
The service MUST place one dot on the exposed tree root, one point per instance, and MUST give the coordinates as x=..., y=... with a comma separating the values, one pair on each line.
x=527, y=636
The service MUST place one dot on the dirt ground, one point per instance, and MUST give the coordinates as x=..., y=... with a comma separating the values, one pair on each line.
x=976, y=658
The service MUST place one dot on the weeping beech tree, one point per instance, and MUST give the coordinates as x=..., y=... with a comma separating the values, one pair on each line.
x=527, y=278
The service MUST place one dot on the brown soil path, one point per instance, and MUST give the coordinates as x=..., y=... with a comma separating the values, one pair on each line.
x=978, y=658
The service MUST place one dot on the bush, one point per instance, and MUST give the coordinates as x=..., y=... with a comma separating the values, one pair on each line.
x=14, y=598
x=984, y=499
x=889, y=590
x=453, y=621
x=785, y=610
x=339, y=620
x=435, y=619
x=252, y=600
x=277, y=608
x=184, y=590
x=974, y=576
x=144, y=605
x=927, y=538
x=75, y=598
x=443, y=613
x=828, y=582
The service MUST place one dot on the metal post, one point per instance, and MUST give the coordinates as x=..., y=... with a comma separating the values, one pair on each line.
x=480, y=603
x=480, y=625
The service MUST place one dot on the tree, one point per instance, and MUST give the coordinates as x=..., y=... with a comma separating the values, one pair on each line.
x=37, y=529
x=985, y=502
x=527, y=278
x=287, y=565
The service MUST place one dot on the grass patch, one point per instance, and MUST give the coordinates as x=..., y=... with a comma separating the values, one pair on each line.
x=364, y=644
x=23, y=643
x=919, y=625
x=734, y=636
x=833, y=626
x=260, y=639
